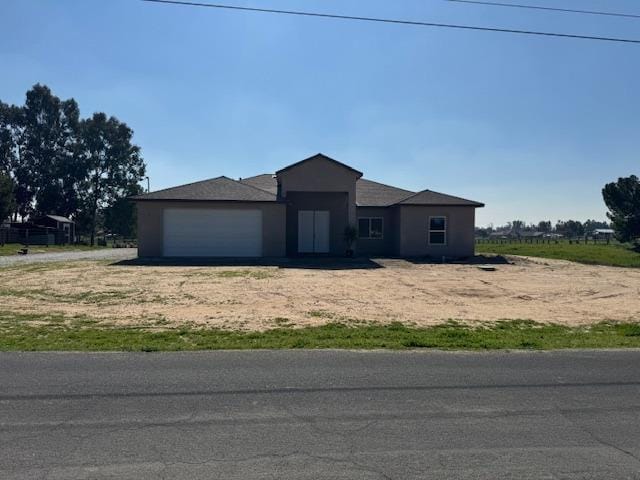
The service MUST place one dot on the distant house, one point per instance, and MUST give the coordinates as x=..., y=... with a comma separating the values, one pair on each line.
x=603, y=233
x=63, y=228
x=531, y=234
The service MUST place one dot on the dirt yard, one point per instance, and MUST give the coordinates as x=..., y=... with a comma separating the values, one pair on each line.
x=264, y=297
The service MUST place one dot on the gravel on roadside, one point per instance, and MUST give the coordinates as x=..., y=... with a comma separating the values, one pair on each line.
x=102, y=254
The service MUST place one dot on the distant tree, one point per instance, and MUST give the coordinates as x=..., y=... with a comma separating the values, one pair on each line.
x=570, y=228
x=517, y=226
x=7, y=199
x=544, y=226
x=483, y=232
x=113, y=166
x=623, y=201
x=121, y=216
x=591, y=225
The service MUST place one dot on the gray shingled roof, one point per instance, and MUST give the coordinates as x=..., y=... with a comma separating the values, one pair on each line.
x=428, y=197
x=221, y=188
x=263, y=188
x=265, y=182
x=374, y=194
x=368, y=192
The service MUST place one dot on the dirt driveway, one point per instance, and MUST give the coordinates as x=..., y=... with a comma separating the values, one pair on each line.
x=267, y=296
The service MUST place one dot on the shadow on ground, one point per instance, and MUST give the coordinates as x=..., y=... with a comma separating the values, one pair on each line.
x=313, y=263
x=475, y=260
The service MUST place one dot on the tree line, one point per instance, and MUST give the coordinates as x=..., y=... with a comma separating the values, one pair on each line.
x=54, y=162
x=566, y=228
x=621, y=197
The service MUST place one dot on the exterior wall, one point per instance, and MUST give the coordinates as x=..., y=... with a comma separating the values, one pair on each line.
x=321, y=175
x=413, y=231
x=150, y=224
x=379, y=246
x=337, y=205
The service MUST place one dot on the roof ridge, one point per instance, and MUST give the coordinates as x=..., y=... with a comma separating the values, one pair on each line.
x=449, y=195
x=259, y=175
x=251, y=186
x=181, y=186
x=320, y=154
x=386, y=185
x=440, y=193
x=414, y=194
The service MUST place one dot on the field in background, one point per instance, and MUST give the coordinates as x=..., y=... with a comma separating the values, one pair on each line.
x=614, y=254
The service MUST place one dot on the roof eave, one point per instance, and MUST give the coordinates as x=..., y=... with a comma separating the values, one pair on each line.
x=474, y=204
x=134, y=199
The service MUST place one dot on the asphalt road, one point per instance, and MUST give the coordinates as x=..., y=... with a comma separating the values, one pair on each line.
x=320, y=415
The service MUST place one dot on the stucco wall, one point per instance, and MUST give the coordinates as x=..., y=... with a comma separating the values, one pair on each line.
x=379, y=246
x=334, y=202
x=321, y=175
x=150, y=215
x=414, y=227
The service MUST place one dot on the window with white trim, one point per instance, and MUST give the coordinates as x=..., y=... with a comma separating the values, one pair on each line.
x=370, y=227
x=437, y=230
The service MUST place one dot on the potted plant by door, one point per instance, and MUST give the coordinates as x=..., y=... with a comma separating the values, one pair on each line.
x=350, y=237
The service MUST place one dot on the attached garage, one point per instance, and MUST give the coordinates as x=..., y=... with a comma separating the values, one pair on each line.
x=189, y=232
x=213, y=218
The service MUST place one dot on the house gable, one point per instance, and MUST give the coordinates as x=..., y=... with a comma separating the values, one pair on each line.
x=320, y=174
x=316, y=157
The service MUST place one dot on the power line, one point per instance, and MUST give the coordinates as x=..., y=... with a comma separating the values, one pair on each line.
x=553, y=9
x=390, y=20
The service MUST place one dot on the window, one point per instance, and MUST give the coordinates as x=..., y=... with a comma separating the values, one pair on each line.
x=370, y=228
x=437, y=230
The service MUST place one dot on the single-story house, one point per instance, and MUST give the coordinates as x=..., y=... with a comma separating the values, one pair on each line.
x=302, y=209
x=64, y=229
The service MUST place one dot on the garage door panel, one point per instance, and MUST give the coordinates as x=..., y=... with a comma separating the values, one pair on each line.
x=212, y=233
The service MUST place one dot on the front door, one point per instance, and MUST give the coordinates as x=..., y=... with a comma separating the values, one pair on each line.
x=313, y=231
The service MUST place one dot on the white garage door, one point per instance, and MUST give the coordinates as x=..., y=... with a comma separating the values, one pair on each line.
x=198, y=232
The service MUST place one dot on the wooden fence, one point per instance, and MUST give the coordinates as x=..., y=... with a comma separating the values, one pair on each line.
x=542, y=240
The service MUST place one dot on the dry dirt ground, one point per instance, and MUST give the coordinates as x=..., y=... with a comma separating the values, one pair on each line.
x=260, y=297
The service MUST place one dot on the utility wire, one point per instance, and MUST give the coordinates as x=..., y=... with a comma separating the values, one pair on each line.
x=552, y=9
x=390, y=20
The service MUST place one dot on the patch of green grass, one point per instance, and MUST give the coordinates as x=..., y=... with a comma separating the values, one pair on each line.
x=12, y=248
x=616, y=255
x=52, y=332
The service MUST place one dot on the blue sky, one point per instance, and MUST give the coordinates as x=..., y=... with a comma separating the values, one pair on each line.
x=532, y=126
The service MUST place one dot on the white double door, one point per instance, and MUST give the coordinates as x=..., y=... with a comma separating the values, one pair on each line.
x=313, y=231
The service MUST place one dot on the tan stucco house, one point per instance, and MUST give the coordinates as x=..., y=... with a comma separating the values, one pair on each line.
x=302, y=209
